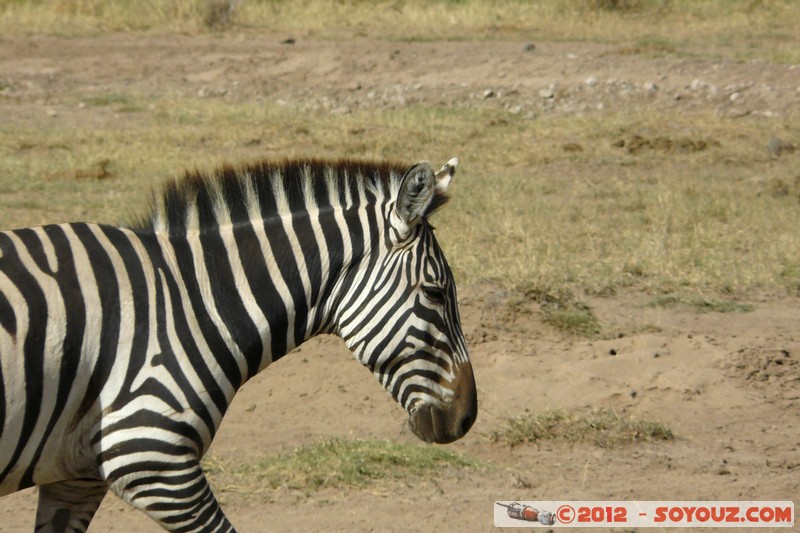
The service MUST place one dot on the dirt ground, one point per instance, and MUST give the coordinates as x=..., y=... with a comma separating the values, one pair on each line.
x=728, y=385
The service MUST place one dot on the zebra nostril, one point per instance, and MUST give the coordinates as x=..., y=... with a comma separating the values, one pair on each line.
x=466, y=423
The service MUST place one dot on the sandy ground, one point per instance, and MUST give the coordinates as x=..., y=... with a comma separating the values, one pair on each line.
x=728, y=385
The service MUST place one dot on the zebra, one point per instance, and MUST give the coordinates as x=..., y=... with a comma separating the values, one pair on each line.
x=122, y=347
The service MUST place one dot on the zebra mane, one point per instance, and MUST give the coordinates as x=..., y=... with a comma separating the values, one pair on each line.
x=267, y=188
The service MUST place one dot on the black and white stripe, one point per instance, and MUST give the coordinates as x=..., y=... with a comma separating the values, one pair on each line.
x=122, y=347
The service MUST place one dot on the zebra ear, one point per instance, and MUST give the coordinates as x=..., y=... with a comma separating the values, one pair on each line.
x=416, y=192
x=444, y=176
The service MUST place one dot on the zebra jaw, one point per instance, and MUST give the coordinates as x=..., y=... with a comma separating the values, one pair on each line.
x=444, y=425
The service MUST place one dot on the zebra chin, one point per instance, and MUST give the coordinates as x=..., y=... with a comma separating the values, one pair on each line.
x=445, y=425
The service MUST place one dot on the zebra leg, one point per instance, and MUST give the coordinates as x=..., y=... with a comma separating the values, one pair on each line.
x=68, y=505
x=177, y=496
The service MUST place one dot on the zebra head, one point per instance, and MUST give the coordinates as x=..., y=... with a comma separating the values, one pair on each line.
x=408, y=330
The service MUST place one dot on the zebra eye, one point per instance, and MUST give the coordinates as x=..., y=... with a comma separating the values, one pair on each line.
x=434, y=293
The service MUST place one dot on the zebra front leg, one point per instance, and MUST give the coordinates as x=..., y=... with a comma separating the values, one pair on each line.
x=68, y=505
x=174, y=494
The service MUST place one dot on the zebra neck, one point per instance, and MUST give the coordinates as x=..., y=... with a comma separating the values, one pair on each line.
x=259, y=290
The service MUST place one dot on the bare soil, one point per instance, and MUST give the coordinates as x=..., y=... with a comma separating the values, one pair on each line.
x=728, y=385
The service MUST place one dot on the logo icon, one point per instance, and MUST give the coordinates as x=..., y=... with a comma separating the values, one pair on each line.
x=527, y=513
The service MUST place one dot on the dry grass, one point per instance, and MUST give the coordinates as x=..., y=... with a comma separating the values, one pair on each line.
x=721, y=26
x=692, y=204
x=592, y=221
x=604, y=428
x=561, y=310
x=703, y=305
x=337, y=463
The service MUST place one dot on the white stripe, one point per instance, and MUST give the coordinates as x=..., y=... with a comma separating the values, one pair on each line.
x=55, y=330
x=49, y=249
x=184, y=306
x=11, y=359
x=254, y=213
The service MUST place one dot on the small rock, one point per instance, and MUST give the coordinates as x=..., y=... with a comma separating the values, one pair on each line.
x=778, y=147
x=723, y=471
x=612, y=351
x=488, y=93
x=737, y=113
x=290, y=41
x=528, y=47
x=633, y=394
x=649, y=86
x=696, y=84
x=51, y=113
x=547, y=92
x=735, y=96
x=208, y=92
x=591, y=81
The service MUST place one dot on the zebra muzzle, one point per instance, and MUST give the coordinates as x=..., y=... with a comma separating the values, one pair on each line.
x=444, y=425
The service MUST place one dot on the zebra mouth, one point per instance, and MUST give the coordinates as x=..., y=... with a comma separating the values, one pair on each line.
x=442, y=426
x=421, y=423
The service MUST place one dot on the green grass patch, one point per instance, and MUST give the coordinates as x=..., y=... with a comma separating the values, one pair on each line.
x=562, y=311
x=107, y=100
x=337, y=463
x=603, y=427
x=704, y=305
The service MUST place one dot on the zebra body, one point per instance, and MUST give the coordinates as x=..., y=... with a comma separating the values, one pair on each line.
x=121, y=348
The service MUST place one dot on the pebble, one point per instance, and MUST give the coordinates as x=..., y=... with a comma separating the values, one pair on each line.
x=649, y=86
x=488, y=93
x=547, y=92
x=591, y=81
x=528, y=47
x=735, y=96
